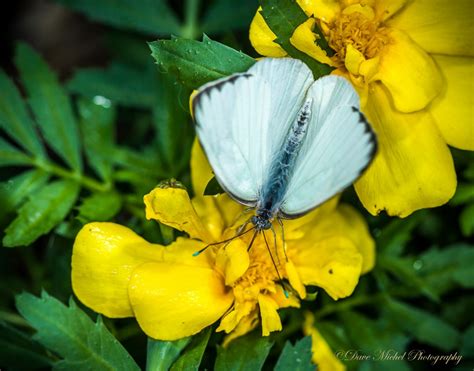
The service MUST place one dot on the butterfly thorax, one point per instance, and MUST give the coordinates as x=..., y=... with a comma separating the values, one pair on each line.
x=274, y=189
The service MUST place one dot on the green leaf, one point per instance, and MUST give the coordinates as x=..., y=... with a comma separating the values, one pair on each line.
x=466, y=221
x=194, y=63
x=69, y=332
x=422, y=325
x=283, y=17
x=446, y=268
x=213, y=188
x=19, y=351
x=191, y=358
x=404, y=270
x=395, y=236
x=100, y=207
x=121, y=83
x=15, y=120
x=11, y=156
x=174, y=132
x=50, y=105
x=464, y=194
x=16, y=189
x=296, y=357
x=162, y=354
x=244, y=353
x=229, y=15
x=152, y=17
x=42, y=212
x=467, y=347
x=97, y=129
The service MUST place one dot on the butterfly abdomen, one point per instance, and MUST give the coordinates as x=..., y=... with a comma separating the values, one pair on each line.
x=273, y=190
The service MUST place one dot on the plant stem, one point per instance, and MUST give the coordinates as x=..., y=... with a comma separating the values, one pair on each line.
x=190, y=29
x=59, y=171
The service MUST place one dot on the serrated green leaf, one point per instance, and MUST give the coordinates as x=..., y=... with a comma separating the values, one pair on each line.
x=296, y=357
x=16, y=189
x=244, y=353
x=192, y=355
x=196, y=62
x=121, y=83
x=97, y=130
x=466, y=221
x=152, y=17
x=50, y=105
x=42, y=212
x=448, y=267
x=229, y=15
x=69, y=332
x=18, y=351
x=162, y=354
x=15, y=120
x=11, y=156
x=100, y=207
x=423, y=326
x=283, y=17
x=404, y=270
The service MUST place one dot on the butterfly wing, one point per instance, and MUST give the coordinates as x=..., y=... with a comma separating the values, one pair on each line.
x=338, y=146
x=241, y=119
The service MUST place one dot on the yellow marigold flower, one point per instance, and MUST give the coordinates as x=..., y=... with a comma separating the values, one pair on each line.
x=411, y=62
x=174, y=294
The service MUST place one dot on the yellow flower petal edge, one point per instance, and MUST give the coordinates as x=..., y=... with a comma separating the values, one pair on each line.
x=332, y=263
x=323, y=356
x=172, y=301
x=413, y=169
x=262, y=38
x=439, y=26
x=172, y=206
x=201, y=172
x=104, y=257
x=456, y=123
x=270, y=318
x=409, y=73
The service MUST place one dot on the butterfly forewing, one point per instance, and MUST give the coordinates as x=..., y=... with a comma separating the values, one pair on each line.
x=243, y=119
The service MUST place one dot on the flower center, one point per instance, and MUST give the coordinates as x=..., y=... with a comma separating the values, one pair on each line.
x=365, y=33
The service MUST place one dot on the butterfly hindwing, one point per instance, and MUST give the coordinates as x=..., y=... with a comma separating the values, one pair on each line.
x=338, y=146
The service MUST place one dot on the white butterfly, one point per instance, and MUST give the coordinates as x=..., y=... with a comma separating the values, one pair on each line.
x=281, y=142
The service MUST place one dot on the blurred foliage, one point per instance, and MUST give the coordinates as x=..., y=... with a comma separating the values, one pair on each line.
x=91, y=147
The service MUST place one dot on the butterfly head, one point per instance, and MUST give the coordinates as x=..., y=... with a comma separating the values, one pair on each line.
x=261, y=221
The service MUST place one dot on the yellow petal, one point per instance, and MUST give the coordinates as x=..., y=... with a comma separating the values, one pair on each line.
x=413, y=169
x=232, y=319
x=453, y=108
x=387, y=8
x=172, y=206
x=353, y=60
x=305, y=40
x=368, y=68
x=270, y=318
x=294, y=279
x=366, y=10
x=326, y=10
x=234, y=260
x=353, y=225
x=439, y=26
x=172, y=301
x=282, y=301
x=103, y=259
x=201, y=172
x=409, y=73
x=245, y=325
x=323, y=356
x=262, y=38
x=332, y=263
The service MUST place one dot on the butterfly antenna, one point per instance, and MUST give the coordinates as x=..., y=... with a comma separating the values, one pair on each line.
x=283, y=237
x=276, y=244
x=227, y=241
x=280, y=280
